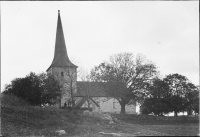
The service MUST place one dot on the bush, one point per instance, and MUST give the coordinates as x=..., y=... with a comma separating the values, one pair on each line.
x=12, y=100
x=37, y=90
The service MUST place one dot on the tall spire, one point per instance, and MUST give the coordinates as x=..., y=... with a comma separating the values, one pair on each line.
x=61, y=58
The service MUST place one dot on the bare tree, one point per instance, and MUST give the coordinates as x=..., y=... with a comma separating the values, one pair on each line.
x=87, y=87
x=71, y=82
x=125, y=78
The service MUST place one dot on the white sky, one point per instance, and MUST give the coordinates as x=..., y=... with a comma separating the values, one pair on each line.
x=167, y=32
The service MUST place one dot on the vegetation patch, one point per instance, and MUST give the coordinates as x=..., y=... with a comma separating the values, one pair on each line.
x=26, y=120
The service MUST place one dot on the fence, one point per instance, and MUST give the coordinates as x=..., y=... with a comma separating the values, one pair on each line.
x=151, y=117
x=167, y=117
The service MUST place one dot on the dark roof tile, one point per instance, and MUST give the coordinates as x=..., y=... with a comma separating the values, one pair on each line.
x=92, y=89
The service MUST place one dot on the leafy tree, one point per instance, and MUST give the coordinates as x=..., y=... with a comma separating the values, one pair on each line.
x=51, y=89
x=146, y=107
x=192, y=99
x=196, y=103
x=174, y=93
x=157, y=100
x=125, y=78
x=178, y=87
x=196, y=100
x=26, y=88
x=37, y=90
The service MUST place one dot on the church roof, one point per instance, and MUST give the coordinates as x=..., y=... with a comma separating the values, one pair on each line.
x=92, y=89
x=61, y=58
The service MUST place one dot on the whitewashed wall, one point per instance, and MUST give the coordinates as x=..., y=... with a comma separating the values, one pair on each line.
x=111, y=106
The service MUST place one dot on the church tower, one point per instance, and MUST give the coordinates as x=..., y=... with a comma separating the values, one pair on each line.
x=62, y=68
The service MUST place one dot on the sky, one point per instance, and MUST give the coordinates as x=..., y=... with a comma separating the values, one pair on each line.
x=166, y=32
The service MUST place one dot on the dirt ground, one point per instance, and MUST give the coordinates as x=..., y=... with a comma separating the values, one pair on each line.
x=139, y=128
x=128, y=130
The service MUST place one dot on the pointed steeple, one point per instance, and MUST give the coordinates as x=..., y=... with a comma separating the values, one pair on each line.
x=61, y=58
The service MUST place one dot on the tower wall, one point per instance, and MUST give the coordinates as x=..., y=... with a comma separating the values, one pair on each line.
x=67, y=77
x=62, y=68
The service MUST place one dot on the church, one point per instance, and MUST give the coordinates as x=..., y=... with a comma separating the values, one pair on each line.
x=79, y=93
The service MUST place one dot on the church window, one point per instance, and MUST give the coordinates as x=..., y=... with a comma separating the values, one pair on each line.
x=62, y=74
x=114, y=107
x=114, y=104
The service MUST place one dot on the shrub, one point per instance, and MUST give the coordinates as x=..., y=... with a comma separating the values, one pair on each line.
x=12, y=100
x=37, y=90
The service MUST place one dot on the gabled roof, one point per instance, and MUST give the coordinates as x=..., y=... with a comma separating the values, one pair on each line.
x=92, y=89
x=61, y=58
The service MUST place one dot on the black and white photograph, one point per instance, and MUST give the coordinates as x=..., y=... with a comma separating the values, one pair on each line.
x=99, y=68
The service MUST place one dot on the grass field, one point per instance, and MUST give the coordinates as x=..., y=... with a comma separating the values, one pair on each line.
x=172, y=128
x=24, y=120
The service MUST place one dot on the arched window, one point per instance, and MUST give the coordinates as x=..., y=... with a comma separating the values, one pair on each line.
x=62, y=74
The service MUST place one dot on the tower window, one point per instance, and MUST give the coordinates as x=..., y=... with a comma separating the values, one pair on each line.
x=62, y=74
x=114, y=105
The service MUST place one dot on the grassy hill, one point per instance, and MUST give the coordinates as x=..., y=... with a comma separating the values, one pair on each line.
x=20, y=119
